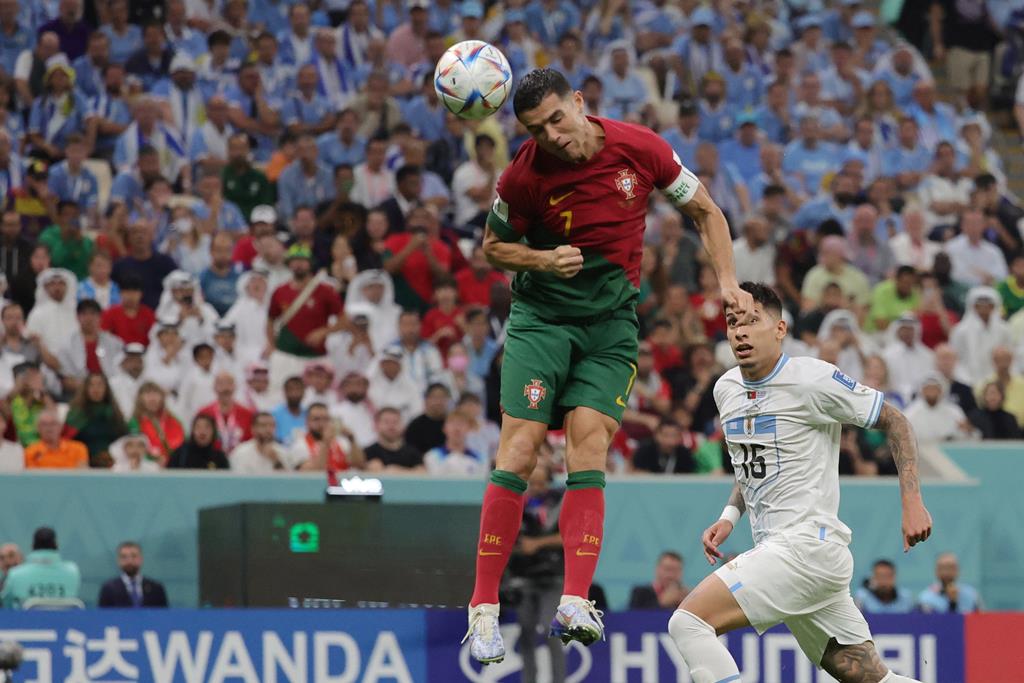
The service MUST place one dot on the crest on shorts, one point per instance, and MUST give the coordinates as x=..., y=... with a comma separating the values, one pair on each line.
x=535, y=393
x=625, y=183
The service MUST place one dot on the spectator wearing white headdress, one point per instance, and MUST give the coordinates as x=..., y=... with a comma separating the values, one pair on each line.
x=933, y=416
x=249, y=315
x=129, y=455
x=980, y=331
x=53, y=316
x=182, y=301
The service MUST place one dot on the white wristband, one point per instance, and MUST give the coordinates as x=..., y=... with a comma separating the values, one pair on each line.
x=732, y=514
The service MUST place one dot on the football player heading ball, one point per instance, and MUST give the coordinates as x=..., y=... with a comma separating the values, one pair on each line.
x=569, y=219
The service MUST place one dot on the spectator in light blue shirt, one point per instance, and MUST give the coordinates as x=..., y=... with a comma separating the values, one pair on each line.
x=830, y=123
x=109, y=110
x=909, y=160
x=809, y=158
x=864, y=146
x=125, y=37
x=881, y=595
x=480, y=346
x=625, y=93
x=89, y=67
x=305, y=181
x=744, y=86
x=70, y=181
x=304, y=111
x=773, y=117
x=743, y=151
x=571, y=62
x=180, y=37
x=424, y=111
x=717, y=119
x=290, y=416
x=935, y=120
x=838, y=205
x=551, y=19
x=210, y=190
x=343, y=145
x=901, y=69
x=683, y=138
x=15, y=36
x=59, y=112
x=948, y=595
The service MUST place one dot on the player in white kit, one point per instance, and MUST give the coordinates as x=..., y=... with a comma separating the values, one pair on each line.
x=782, y=419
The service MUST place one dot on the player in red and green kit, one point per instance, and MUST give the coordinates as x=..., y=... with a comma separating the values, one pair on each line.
x=569, y=219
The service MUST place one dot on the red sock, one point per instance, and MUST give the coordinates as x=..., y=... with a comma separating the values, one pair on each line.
x=581, y=523
x=500, y=519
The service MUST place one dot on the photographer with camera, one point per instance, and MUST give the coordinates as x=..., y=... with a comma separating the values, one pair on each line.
x=534, y=577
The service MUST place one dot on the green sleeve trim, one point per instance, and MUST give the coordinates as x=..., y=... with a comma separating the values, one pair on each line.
x=504, y=231
x=508, y=480
x=587, y=479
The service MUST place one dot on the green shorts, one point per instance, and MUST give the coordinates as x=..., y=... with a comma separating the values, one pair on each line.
x=550, y=368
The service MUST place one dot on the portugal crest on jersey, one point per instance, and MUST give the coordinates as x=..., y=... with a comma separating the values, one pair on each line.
x=535, y=393
x=625, y=182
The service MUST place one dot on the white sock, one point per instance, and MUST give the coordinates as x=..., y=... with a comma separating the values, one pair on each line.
x=893, y=677
x=708, y=659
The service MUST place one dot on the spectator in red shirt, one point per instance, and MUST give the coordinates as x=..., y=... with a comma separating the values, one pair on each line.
x=474, y=283
x=261, y=223
x=131, y=319
x=443, y=324
x=233, y=420
x=296, y=333
x=417, y=259
x=708, y=304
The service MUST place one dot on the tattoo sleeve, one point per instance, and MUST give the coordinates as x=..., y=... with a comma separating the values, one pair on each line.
x=736, y=498
x=903, y=446
x=853, y=663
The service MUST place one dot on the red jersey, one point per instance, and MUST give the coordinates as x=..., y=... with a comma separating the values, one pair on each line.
x=232, y=428
x=244, y=251
x=322, y=304
x=415, y=273
x=474, y=291
x=116, y=321
x=599, y=206
x=435, y=320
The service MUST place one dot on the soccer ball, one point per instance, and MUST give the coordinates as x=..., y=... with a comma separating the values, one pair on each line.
x=473, y=79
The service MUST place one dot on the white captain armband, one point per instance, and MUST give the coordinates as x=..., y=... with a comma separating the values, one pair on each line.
x=500, y=208
x=732, y=514
x=682, y=189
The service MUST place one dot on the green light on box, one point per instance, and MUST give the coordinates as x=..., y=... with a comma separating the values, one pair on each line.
x=304, y=537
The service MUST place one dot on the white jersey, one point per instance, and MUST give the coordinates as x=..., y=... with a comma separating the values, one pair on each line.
x=783, y=437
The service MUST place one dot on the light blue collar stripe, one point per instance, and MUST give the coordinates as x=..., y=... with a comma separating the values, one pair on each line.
x=783, y=359
x=729, y=679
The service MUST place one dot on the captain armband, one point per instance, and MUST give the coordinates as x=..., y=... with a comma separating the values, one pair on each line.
x=683, y=188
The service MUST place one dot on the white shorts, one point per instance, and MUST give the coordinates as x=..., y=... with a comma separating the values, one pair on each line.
x=802, y=582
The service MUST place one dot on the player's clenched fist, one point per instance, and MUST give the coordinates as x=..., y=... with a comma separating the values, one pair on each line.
x=713, y=537
x=565, y=261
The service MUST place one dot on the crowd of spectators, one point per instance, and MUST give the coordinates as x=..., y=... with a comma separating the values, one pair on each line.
x=244, y=234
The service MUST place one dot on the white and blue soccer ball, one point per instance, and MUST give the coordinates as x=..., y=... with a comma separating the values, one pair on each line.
x=473, y=79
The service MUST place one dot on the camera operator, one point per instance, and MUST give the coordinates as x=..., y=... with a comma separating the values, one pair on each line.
x=534, y=579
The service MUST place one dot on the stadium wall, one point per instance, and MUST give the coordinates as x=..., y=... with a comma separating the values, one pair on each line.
x=92, y=512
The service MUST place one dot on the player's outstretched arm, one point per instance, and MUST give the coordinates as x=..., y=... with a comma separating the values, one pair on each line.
x=917, y=523
x=716, y=534
x=564, y=260
x=714, y=232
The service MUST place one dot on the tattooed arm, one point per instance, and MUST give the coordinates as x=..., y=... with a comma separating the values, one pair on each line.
x=917, y=523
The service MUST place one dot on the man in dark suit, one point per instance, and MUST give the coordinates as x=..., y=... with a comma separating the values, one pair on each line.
x=408, y=188
x=667, y=590
x=665, y=453
x=131, y=589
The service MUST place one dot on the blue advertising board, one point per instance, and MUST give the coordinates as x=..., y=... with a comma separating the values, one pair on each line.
x=409, y=646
